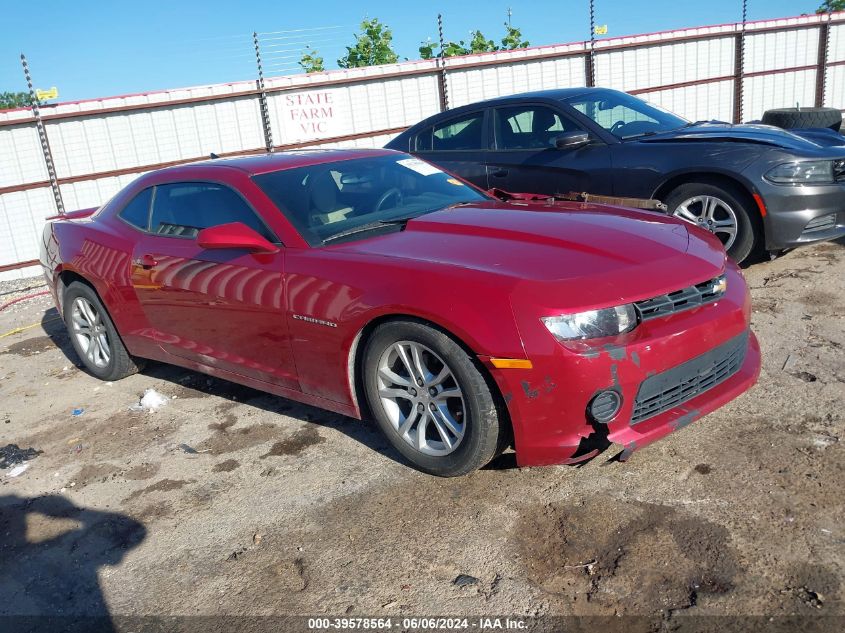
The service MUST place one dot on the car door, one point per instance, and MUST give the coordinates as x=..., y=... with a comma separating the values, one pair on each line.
x=457, y=144
x=524, y=157
x=223, y=308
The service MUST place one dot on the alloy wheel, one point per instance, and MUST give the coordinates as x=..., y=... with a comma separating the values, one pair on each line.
x=711, y=213
x=422, y=398
x=90, y=332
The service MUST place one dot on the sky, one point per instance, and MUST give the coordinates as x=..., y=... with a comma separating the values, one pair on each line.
x=95, y=49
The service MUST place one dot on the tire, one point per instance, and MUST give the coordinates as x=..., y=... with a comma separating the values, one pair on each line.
x=802, y=118
x=730, y=201
x=82, y=305
x=484, y=432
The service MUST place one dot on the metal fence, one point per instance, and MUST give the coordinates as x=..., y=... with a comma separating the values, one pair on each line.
x=731, y=72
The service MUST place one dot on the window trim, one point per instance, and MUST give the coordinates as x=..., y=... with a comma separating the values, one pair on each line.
x=485, y=135
x=494, y=116
x=202, y=181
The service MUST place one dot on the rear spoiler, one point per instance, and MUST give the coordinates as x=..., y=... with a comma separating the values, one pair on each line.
x=75, y=215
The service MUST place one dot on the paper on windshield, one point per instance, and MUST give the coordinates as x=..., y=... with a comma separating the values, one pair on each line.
x=419, y=166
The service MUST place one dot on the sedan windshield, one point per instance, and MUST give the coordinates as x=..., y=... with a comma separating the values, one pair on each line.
x=346, y=199
x=625, y=116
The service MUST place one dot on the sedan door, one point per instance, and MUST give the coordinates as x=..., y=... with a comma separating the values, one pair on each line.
x=457, y=145
x=222, y=308
x=525, y=158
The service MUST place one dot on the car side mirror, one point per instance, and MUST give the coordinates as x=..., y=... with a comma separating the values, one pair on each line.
x=571, y=140
x=234, y=235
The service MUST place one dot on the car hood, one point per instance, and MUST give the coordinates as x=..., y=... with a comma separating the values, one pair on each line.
x=613, y=253
x=749, y=133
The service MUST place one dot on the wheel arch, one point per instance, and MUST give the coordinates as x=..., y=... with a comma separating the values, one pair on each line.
x=355, y=363
x=710, y=178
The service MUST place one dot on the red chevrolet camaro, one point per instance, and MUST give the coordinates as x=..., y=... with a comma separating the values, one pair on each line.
x=371, y=283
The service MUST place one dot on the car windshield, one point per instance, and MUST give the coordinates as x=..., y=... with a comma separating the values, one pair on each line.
x=347, y=198
x=625, y=116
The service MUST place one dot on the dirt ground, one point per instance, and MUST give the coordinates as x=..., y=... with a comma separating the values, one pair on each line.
x=231, y=502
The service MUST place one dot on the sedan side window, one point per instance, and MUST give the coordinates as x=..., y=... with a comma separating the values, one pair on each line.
x=183, y=209
x=137, y=212
x=464, y=133
x=530, y=127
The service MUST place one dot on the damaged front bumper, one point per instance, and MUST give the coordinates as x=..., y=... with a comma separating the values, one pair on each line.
x=668, y=371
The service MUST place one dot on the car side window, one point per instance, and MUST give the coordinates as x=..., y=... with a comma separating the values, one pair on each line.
x=530, y=127
x=183, y=209
x=137, y=212
x=464, y=133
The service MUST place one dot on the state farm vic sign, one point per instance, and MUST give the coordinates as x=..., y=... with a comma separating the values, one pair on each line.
x=311, y=115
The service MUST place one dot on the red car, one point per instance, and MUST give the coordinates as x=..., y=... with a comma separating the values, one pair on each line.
x=371, y=283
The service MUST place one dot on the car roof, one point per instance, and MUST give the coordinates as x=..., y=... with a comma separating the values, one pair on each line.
x=556, y=94
x=266, y=163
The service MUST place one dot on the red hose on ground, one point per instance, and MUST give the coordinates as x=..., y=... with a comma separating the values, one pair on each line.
x=24, y=298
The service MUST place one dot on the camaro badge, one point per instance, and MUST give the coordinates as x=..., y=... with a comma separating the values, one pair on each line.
x=313, y=320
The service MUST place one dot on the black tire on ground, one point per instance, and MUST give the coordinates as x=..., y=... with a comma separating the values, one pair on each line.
x=486, y=431
x=749, y=226
x=120, y=364
x=802, y=118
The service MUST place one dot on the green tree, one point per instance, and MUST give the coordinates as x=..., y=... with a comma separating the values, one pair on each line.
x=477, y=44
x=311, y=61
x=513, y=39
x=831, y=5
x=480, y=44
x=9, y=100
x=372, y=47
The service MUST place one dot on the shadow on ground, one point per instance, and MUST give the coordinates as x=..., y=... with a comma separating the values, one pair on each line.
x=50, y=553
x=190, y=384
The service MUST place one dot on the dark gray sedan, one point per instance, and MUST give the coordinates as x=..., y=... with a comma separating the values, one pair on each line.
x=754, y=186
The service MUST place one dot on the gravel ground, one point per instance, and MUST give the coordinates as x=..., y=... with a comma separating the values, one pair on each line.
x=228, y=501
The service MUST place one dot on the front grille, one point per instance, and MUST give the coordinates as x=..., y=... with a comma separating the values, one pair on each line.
x=821, y=223
x=679, y=300
x=671, y=388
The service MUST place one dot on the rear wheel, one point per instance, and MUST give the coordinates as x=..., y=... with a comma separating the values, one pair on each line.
x=430, y=399
x=720, y=210
x=93, y=335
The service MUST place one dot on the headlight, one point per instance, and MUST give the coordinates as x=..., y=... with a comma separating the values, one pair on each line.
x=593, y=323
x=803, y=172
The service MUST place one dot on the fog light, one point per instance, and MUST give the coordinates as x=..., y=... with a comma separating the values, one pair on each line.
x=605, y=405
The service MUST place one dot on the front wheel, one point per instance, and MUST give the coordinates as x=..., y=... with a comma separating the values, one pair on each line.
x=430, y=399
x=720, y=210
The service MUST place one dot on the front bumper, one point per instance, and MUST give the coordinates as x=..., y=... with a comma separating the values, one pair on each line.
x=548, y=403
x=798, y=215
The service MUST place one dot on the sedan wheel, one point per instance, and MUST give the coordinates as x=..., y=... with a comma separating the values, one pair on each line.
x=431, y=399
x=90, y=332
x=422, y=398
x=724, y=210
x=710, y=213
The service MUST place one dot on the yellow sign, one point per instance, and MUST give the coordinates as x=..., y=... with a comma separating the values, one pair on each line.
x=601, y=30
x=46, y=95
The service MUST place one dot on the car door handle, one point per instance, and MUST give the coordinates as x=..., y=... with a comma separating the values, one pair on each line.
x=500, y=173
x=146, y=261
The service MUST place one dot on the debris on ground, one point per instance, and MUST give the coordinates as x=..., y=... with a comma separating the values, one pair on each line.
x=464, y=580
x=190, y=450
x=12, y=454
x=17, y=470
x=152, y=400
x=77, y=412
